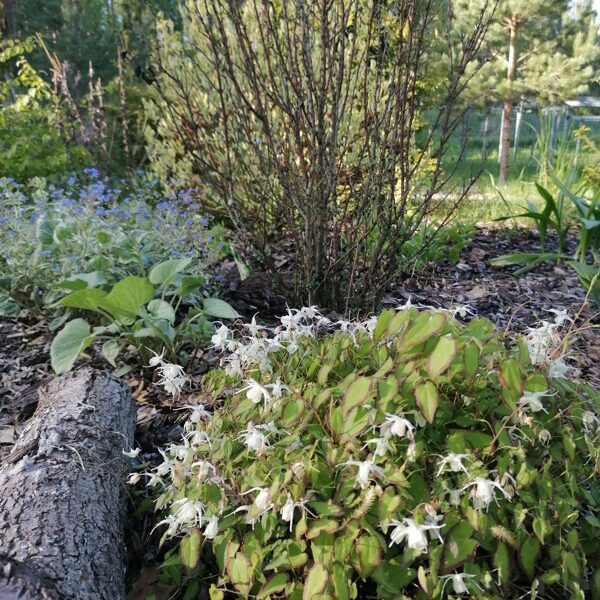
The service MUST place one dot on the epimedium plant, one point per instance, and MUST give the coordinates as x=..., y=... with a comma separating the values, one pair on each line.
x=139, y=312
x=406, y=457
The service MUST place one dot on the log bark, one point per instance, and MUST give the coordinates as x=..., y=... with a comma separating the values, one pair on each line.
x=62, y=493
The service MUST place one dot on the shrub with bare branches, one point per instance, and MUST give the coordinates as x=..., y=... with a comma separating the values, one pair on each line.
x=300, y=117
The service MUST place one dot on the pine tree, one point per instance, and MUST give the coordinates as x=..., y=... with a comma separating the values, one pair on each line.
x=540, y=50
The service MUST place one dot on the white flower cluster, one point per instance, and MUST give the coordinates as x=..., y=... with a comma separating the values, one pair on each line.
x=172, y=377
x=254, y=348
x=543, y=343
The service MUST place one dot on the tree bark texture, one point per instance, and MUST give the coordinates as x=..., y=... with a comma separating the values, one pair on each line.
x=508, y=103
x=62, y=493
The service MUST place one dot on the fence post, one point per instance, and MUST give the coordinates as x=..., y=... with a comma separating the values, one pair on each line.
x=486, y=126
x=517, y=131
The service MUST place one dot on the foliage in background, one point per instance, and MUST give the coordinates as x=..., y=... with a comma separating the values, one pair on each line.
x=301, y=118
x=571, y=198
x=408, y=456
x=29, y=141
x=54, y=239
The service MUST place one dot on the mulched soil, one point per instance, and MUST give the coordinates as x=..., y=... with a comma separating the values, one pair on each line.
x=512, y=303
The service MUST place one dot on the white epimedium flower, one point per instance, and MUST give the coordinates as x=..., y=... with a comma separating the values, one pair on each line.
x=365, y=469
x=454, y=497
x=397, y=425
x=292, y=319
x=198, y=412
x=133, y=478
x=484, y=491
x=254, y=439
x=370, y=325
x=204, y=468
x=544, y=436
x=278, y=388
x=253, y=327
x=540, y=341
x=462, y=310
x=197, y=438
x=382, y=445
x=558, y=368
x=132, y=453
x=154, y=479
x=256, y=393
x=212, y=527
x=454, y=462
x=414, y=534
x=560, y=316
x=172, y=376
x=287, y=510
x=262, y=498
x=173, y=525
x=458, y=582
x=157, y=359
x=531, y=401
x=190, y=512
x=270, y=427
x=222, y=339
x=233, y=368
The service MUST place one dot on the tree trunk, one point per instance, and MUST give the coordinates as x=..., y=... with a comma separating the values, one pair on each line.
x=8, y=9
x=62, y=493
x=508, y=102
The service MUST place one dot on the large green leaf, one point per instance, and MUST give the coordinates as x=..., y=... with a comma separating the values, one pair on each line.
x=528, y=555
x=189, y=549
x=502, y=563
x=368, y=554
x=161, y=310
x=441, y=357
x=128, y=296
x=239, y=570
x=426, y=325
x=165, y=271
x=428, y=399
x=316, y=581
x=110, y=351
x=275, y=585
x=68, y=344
x=219, y=308
x=8, y=308
x=87, y=299
x=82, y=280
x=44, y=231
x=356, y=395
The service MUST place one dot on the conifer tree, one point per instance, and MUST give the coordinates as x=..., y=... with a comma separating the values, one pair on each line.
x=540, y=50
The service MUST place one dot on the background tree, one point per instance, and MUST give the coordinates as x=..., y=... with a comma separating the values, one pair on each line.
x=78, y=32
x=539, y=50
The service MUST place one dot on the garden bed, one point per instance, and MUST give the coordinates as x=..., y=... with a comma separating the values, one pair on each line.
x=513, y=303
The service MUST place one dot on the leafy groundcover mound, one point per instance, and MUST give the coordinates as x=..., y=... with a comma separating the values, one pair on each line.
x=409, y=456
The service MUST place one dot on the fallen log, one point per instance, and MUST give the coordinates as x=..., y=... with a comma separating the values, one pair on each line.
x=62, y=493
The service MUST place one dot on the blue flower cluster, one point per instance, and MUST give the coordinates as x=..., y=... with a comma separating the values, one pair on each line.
x=50, y=232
